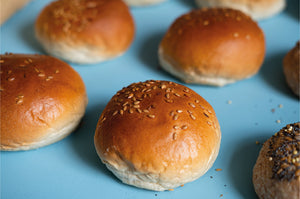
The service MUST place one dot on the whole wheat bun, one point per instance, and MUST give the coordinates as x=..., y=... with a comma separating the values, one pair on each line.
x=85, y=31
x=142, y=2
x=42, y=101
x=214, y=46
x=276, y=174
x=157, y=135
x=291, y=68
x=257, y=9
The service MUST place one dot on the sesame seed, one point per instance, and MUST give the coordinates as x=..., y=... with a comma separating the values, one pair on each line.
x=136, y=106
x=257, y=142
x=130, y=95
x=125, y=108
x=169, y=101
x=11, y=79
x=192, y=105
x=172, y=113
x=236, y=34
x=130, y=110
x=218, y=169
x=8, y=72
x=19, y=100
x=192, y=116
x=136, y=102
x=151, y=116
x=176, y=127
x=121, y=112
x=197, y=101
x=115, y=113
x=186, y=90
x=139, y=110
x=190, y=112
x=163, y=86
x=179, y=111
x=146, y=111
x=278, y=121
x=229, y=102
x=270, y=158
x=209, y=123
x=177, y=95
x=280, y=106
x=175, y=117
x=125, y=103
x=41, y=75
x=174, y=136
x=167, y=95
x=184, y=127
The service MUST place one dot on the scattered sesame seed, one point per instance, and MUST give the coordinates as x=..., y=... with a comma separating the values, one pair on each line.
x=163, y=86
x=278, y=121
x=177, y=95
x=186, y=90
x=257, y=142
x=229, y=102
x=171, y=189
x=146, y=111
x=176, y=127
x=139, y=110
x=130, y=95
x=184, y=127
x=41, y=75
x=11, y=79
x=151, y=116
x=175, y=117
x=192, y=116
x=218, y=169
x=280, y=106
x=197, y=101
x=236, y=34
x=121, y=112
x=130, y=110
x=115, y=113
x=179, y=111
x=136, y=106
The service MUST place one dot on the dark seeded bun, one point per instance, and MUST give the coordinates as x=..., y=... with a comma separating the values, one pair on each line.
x=276, y=174
x=291, y=68
x=42, y=101
x=142, y=2
x=213, y=46
x=157, y=135
x=85, y=31
x=257, y=9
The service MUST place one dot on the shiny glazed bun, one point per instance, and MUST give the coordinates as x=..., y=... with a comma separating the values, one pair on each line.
x=291, y=68
x=257, y=9
x=142, y=2
x=212, y=46
x=157, y=135
x=42, y=101
x=276, y=174
x=85, y=31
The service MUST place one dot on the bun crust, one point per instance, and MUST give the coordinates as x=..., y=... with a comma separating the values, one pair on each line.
x=291, y=68
x=85, y=31
x=42, y=101
x=276, y=174
x=258, y=9
x=142, y=2
x=157, y=135
x=212, y=46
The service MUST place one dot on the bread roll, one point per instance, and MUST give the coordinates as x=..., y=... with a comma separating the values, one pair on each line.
x=276, y=174
x=157, y=135
x=212, y=46
x=85, y=31
x=291, y=68
x=42, y=101
x=257, y=9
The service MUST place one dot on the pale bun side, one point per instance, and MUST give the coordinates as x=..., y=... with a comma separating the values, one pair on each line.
x=142, y=2
x=258, y=9
x=42, y=101
x=157, y=135
x=84, y=31
x=276, y=174
x=291, y=70
x=214, y=46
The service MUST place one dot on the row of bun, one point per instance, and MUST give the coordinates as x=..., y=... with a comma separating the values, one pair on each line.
x=155, y=134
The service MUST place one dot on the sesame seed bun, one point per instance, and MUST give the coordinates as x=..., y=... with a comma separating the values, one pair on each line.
x=291, y=68
x=85, y=31
x=157, y=135
x=258, y=9
x=276, y=174
x=212, y=46
x=42, y=101
x=142, y=2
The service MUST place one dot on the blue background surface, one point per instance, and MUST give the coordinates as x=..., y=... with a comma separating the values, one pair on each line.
x=71, y=169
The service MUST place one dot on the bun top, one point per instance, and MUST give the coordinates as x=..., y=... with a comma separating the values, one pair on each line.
x=104, y=23
x=213, y=42
x=159, y=127
x=37, y=93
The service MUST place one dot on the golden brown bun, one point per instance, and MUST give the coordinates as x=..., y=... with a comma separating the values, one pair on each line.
x=142, y=2
x=276, y=174
x=213, y=46
x=85, y=31
x=291, y=68
x=42, y=101
x=157, y=135
x=257, y=9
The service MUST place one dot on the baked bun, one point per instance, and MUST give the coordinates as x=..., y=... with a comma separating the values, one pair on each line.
x=85, y=31
x=142, y=2
x=42, y=101
x=276, y=174
x=212, y=46
x=157, y=135
x=257, y=9
x=291, y=68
